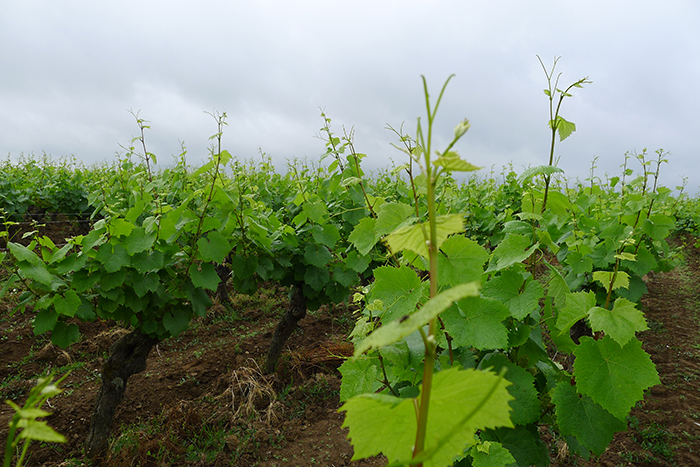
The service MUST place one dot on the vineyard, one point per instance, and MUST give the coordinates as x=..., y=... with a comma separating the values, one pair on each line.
x=424, y=315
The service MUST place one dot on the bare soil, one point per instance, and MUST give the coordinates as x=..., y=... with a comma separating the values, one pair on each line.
x=202, y=401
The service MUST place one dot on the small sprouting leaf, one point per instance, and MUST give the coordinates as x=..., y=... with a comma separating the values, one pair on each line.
x=622, y=279
x=564, y=127
x=451, y=161
x=399, y=329
x=39, y=431
x=604, y=368
x=621, y=323
x=544, y=170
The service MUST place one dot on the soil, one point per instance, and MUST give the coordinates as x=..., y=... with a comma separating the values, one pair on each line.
x=202, y=400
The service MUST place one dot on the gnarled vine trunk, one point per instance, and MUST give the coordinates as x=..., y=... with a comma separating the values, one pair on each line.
x=126, y=357
x=294, y=313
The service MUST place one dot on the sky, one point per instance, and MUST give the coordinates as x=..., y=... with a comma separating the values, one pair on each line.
x=71, y=72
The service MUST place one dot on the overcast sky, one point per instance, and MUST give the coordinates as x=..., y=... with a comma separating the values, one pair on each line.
x=71, y=70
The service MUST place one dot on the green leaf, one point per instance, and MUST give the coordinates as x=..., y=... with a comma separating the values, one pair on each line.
x=544, y=170
x=515, y=248
x=36, y=272
x=44, y=321
x=507, y=289
x=345, y=277
x=39, y=431
x=621, y=323
x=64, y=335
x=112, y=257
x=316, y=278
x=564, y=127
x=147, y=261
x=364, y=236
x=360, y=375
x=451, y=162
x=113, y=280
x=317, y=255
x=391, y=216
x=138, y=240
x=327, y=234
x=581, y=418
x=396, y=330
x=614, y=377
x=316, y=211
x=495, y=455
x=119, y=227
x=461, y=261
x=462, y=402
x=477, y=322
x=204, y=276
x=523, y=442
x=578, y=305
x=356, y=262
x=658, y=226
x=412, y=237
x=622, y=279
x=214, y=247
x=177, y=322
x=525, y=403
x=68, y=304
x=22, y=253
x=399, y=289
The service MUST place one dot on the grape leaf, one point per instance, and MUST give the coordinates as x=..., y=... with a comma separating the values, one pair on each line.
x=364, y=236
x=68, y=304
x=360, y=375
x=412, y=237
x=395, y=330
x=462, y=401
x=525, y=403
x=204, y=276
x=622, y=279
x=580, y=417
x=620, y=323
x=214, y=247
x=506, y=288
x=399, y=289
x=461, y=260
x=477, y=322
x=495, y=455
x=578, y=305
x=514, y=248
x=614, y=377
x=64, y=335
